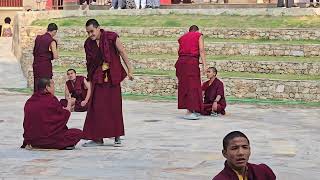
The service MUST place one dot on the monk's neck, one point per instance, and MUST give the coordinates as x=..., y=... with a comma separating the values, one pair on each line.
x=241, y=171
x=211, y=80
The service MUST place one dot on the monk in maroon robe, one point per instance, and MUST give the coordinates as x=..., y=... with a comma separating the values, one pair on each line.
x=191, y=47
x=45, y=120
x=44, y=51
x=236, y=149
x=214, y=100
x=78, y=91
x=105, y=73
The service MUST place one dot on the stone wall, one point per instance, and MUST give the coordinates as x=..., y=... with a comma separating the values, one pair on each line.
x=223, y=33
x=235, y=87
x=305, y=68
x=216, y=48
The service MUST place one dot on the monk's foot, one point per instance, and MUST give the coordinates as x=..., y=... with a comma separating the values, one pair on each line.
x=117, y=142
x=28, y=147
x=92, y=144
x=214, y=114
x=191, y=116
x=70, y=148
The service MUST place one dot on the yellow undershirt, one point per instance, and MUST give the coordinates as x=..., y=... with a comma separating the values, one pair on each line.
x=240, y=177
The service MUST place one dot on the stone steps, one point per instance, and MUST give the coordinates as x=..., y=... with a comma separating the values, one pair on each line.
x=236, y=87
x=274, y=67
x=214, y=32
x=212, y=48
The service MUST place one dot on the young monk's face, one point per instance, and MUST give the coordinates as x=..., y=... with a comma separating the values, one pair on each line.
x=237, y=153
x=93, y=33
x=71, y=75
x=210, y=73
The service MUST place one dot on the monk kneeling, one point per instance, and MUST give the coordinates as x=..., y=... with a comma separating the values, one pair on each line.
x=236, y=149
x=77, y=90
x=45, y=120
x=214, y=100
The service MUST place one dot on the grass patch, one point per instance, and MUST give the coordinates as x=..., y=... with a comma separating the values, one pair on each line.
x=207, y=40
x=245, y=75
x=178, y=20
x=156, y=57
x=233, y=100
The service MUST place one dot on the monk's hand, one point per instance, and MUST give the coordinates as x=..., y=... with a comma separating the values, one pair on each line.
x=130, y=76
x=84, y=103
x=214, y=106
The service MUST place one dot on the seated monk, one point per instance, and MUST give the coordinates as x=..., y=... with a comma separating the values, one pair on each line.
x=236, y=149
x=214, y=100
x=77, y=90
x=45, y=120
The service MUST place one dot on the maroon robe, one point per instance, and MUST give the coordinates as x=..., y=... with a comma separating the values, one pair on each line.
x=45, y=123
x=210, y=94
x=188, y=73
x=42, y=66
x=104, y=117
x=254, y=172
x=78, y=90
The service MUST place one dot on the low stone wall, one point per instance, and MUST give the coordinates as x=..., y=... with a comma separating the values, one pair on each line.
x=241, y=88
x=220, y=48
x=305, y=68
x=223, y=33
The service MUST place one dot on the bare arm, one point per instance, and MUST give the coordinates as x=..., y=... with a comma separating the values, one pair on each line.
x=53, y=47
x=202, y=53
x=67, y=94
x=88, y=86
x=124, y=56
x=217, y=98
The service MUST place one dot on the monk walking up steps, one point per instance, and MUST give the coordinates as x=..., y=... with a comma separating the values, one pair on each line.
x=105, y=73
x=44, y=51
x=191, y=47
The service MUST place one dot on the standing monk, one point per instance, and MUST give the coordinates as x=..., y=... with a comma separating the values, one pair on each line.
x=214, y=100
x=77, y=90
x=191, y=47
x=45, y=50
x=105, y=73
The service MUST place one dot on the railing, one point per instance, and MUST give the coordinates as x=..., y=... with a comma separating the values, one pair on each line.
x=58, y=4
x=11, y=3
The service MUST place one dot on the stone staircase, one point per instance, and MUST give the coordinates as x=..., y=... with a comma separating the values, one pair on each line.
x=253, y=63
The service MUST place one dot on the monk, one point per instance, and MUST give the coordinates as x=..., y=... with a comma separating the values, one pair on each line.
x=191, y=47
x=44, y=51
x=77, y=90
x=214, y=100
x=236, y=149
x=105, y=73
x=45, y=120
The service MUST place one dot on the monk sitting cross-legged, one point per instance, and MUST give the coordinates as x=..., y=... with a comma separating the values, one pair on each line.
x=214, y=100
x=45, y=120
x=77, y=90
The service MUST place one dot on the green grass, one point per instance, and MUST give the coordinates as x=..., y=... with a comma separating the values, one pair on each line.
x=207, y=40
x=232, y=100
x=175, y=20
x=156, y=72
x=209, y=57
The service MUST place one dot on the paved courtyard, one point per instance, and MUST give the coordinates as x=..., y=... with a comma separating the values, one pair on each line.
x=160, y=145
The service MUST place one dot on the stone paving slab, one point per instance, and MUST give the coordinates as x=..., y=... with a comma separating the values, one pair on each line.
x=160, y=145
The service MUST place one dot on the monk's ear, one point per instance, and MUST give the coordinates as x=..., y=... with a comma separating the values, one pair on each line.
x=224, y=153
